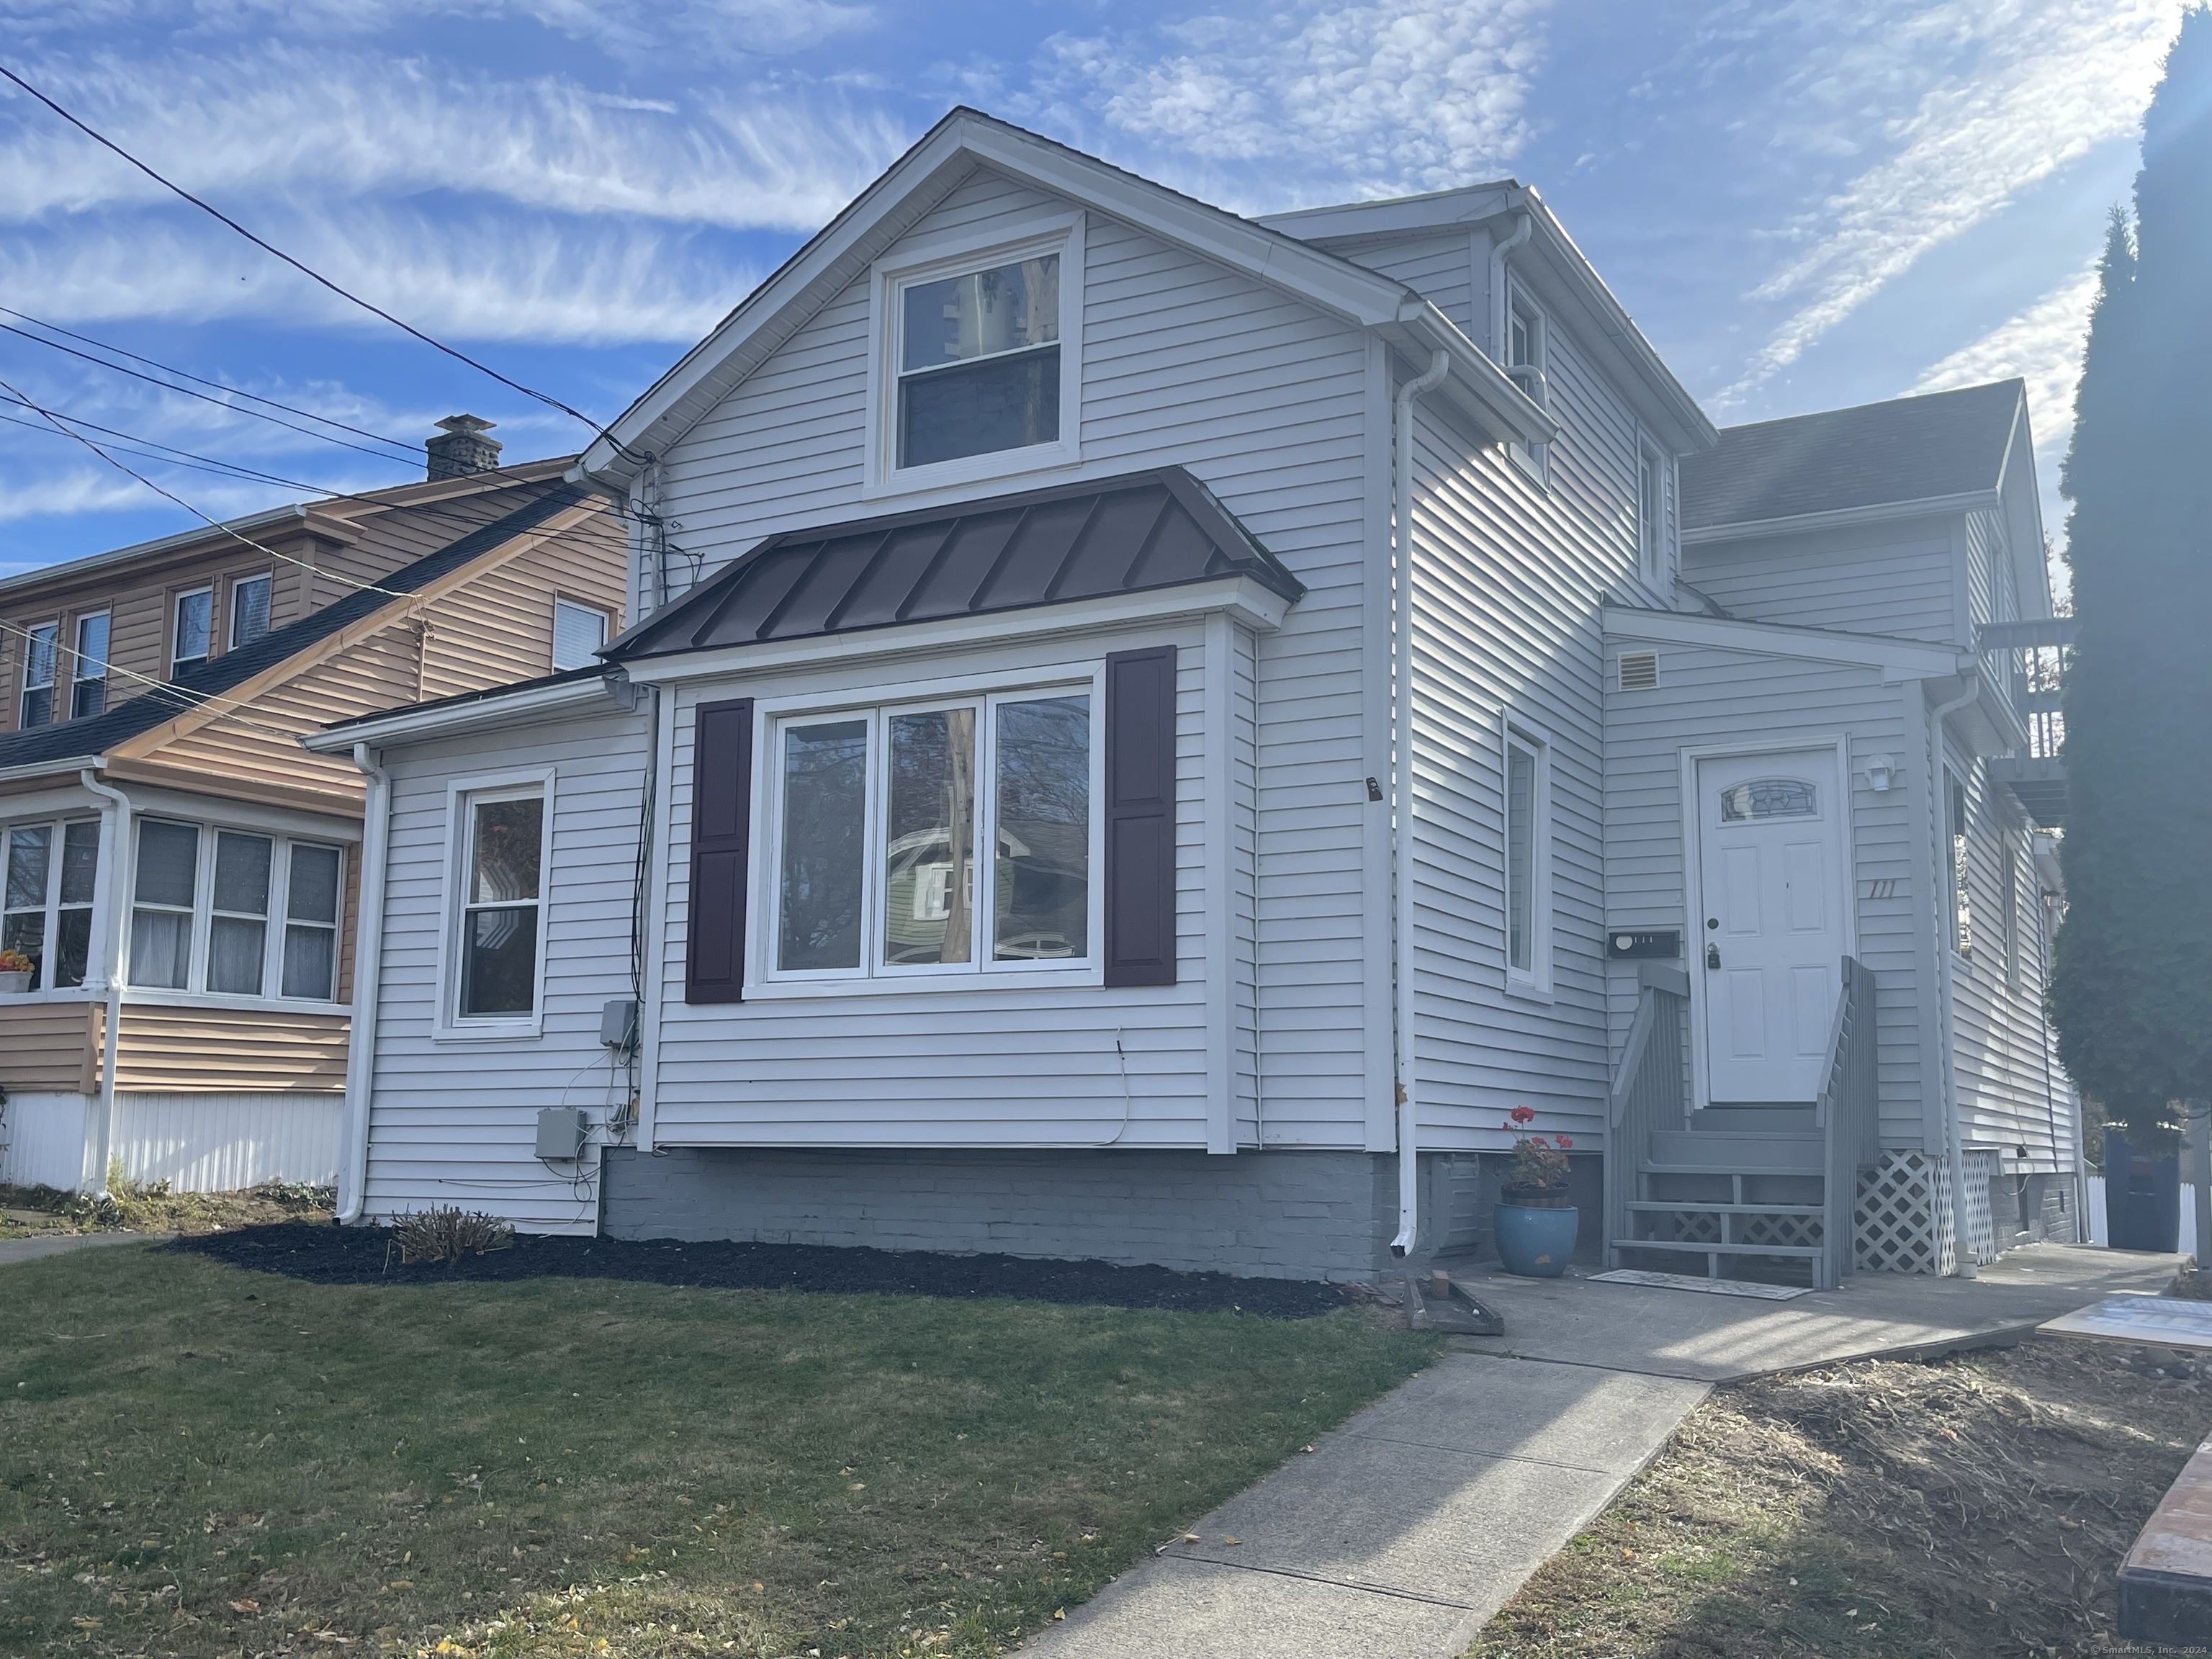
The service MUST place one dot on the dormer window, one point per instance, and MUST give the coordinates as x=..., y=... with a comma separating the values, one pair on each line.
x=978, y=366
x=1524, y=348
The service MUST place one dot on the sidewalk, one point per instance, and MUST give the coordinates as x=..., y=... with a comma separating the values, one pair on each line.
x=1402, y=1533
x=31, y=1249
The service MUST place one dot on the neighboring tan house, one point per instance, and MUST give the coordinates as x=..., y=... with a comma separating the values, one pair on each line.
x=1167, y=726
x=190, y=1024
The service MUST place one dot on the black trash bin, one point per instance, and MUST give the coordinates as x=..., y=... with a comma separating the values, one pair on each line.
x=2142, y=1197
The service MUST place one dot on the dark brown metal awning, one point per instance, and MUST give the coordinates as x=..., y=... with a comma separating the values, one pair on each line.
x=1126, y=535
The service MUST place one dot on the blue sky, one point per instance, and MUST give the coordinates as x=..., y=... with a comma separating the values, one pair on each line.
x=1803, y=205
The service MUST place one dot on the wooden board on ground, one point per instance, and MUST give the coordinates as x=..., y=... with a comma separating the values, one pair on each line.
x=2158, y=1321
x=1655, y=1280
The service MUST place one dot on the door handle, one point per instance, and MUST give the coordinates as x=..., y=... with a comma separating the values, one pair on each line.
x=1712, y=955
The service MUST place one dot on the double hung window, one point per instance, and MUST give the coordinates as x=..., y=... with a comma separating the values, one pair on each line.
x=52, y=874
x=88, y=667
x=953, y=837
x=41, y=647
x=501, y=920
x=249, y=611
x=234, y=913
x=191, y=631
x=976, y=360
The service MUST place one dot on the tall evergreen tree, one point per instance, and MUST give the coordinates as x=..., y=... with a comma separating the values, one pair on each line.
x=2133, y=992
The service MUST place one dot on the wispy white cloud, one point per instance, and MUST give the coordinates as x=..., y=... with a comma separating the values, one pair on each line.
x=2036, y=83
x=75, y=490
x=304, y=124
x=2042, y=344
x=491, y=277
x=1373, y=99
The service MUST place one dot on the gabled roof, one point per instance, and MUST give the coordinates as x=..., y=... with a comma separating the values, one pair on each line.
x=85, y=739
x=1936, y=448
x=938, y=163
x=1130, y=534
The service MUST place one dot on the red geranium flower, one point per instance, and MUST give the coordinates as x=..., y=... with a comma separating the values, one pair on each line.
x=1565, y=1144
x=1524, y=1114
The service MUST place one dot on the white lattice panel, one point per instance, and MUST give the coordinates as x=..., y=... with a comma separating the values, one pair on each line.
x=1982, y=1168
x=1904, y=1219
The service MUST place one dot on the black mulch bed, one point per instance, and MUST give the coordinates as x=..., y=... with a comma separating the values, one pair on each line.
x=323, y=1254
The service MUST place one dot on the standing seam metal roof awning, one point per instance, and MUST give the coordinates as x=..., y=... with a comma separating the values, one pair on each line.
x=1130, y=534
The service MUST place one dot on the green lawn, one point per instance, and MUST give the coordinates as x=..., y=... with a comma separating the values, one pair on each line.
x=198, y=1460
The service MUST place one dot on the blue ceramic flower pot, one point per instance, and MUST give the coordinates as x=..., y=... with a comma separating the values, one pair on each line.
x=1534, y=1243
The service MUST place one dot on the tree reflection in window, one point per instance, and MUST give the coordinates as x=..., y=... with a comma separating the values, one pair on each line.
x=1042, y=903
x=930, y=838
x=1767, y=798
x=825, y=780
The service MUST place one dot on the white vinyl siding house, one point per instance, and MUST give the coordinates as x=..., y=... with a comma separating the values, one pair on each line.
x=906, y=487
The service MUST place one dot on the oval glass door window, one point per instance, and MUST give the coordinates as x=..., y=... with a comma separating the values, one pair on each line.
x=1768, y=798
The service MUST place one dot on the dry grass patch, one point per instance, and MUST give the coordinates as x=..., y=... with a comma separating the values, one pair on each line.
x=1973, y=1506
x=152, y=1207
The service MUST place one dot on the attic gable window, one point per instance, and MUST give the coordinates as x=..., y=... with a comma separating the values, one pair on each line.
x=977, y=359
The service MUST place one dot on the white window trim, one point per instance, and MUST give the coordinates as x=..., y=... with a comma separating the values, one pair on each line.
x=50, y=683
x=461, y=796
x=1655, y=562
x=1533, y=378
x=921, y=260
x=765, y=980
x=1958, y=865
x=176, y=614
x=1533, y=981
x=193, y=993
x=50, y=933
x=230, y=611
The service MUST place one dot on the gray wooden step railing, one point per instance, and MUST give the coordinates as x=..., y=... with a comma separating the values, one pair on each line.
x=1847, y=1112
x=1650, y=1093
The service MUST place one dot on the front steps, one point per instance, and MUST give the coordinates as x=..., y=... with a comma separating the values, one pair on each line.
x=1740, y=1193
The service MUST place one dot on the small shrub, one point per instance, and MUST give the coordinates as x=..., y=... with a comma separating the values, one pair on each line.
x=447, y=1233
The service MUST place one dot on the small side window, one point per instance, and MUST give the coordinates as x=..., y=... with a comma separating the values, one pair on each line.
x=41, y=646
x=579, y=631
x=501, y=906
x=249, y=612
x=190, y=635
x=1962, y=886
x=88, y=667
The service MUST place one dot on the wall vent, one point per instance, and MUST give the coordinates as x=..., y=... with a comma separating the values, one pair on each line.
x=1639, y=671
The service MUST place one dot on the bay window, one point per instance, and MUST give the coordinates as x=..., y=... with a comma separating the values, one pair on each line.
x=205, y=912
x=953, y=838
x=45, y=905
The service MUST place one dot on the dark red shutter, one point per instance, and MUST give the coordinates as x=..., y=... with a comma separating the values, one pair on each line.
x=1140, y=816
x=721, y=833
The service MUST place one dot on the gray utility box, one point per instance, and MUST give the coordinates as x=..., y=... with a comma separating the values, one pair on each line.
x=561, y=1132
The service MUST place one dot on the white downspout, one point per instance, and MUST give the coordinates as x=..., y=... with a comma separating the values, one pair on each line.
x=368, y=947
x=117, y=857
x=1497, y=299
x=1954, y=1146
x=1401, y=837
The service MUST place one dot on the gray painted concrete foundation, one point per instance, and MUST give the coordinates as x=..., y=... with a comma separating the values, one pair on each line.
x=1279, y=1214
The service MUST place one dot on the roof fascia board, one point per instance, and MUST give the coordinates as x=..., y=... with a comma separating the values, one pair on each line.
x=909, y=189
x=1392, y=219
x=1927, y=507
x=2023, y=513
x=49, y=769
x=419, y=725
x=1244, y=600
x=298, y=812
x=183, y=541
x=1897, y=659
x=144, y=744
x=72, y=797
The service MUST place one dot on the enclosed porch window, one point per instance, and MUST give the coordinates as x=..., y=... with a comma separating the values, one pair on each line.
x=53, y=873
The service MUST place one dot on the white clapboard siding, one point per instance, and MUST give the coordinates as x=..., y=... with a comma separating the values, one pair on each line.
x=1440, y=268
x=1900, y=578
x=455, y=1123
x=982, y=1063
x=2009, y=1094
x=1510, y=580
x=1714, y=696
x=1265, y=400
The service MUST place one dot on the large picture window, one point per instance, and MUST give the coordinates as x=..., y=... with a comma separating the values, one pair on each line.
x=944, y=838
x=52, y=872
x=502, y=906
x=219, y=911
x=978, y=361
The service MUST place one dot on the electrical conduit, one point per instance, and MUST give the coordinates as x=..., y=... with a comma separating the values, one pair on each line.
x=1401, y=839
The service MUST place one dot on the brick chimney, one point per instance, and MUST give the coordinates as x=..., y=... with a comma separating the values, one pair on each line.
x=464, y=448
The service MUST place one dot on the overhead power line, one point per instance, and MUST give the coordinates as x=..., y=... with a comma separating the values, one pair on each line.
x=305, y=270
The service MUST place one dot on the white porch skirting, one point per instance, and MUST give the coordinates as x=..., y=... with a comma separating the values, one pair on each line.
x=197, y=1143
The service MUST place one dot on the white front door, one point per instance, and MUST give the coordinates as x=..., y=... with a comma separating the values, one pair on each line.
x=1769, y=929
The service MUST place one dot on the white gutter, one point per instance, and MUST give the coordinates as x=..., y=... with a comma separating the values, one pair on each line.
x=1401, y=839
x=416, y=721
x=368, y=947
x=1955, y=1147
x=1498, y=317
x=115, y=856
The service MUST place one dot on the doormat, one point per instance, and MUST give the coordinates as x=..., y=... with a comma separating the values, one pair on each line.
x=1694, y=1282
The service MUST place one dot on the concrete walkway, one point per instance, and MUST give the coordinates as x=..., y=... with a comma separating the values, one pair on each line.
x=1404, y=1531
x=32, y=1249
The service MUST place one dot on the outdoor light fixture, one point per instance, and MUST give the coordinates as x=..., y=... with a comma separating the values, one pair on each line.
x=1881, y=773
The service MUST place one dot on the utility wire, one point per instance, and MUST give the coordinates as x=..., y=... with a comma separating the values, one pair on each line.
x=305, y=271
x=225, y=707
x=410, y=451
